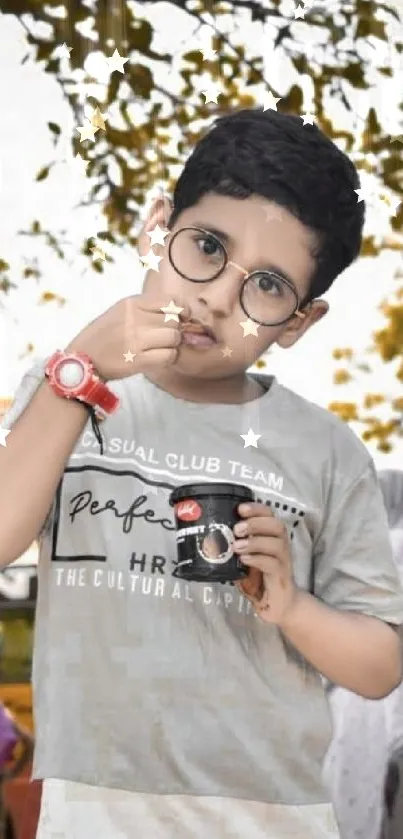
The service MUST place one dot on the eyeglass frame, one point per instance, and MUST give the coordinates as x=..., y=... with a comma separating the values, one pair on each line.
x=247, y=276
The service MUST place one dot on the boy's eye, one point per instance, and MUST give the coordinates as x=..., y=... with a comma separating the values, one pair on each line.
x=209, y=246
x=267, y=283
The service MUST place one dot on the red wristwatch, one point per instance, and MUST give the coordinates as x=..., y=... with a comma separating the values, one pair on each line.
x=73, y=376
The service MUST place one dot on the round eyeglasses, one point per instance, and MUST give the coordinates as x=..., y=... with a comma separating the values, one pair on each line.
x=265, y=297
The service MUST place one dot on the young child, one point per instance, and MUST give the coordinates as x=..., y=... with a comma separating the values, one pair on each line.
x=172, y=709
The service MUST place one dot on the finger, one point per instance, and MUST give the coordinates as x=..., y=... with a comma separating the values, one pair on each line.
x=158, y=338
x=153, y=305
x=268, y=565
x=267, y=545
x=262, y=526
x=252, y=586
x=254, y=508
x=158, y=358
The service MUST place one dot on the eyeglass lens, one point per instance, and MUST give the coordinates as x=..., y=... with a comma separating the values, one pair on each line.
x=199, y=256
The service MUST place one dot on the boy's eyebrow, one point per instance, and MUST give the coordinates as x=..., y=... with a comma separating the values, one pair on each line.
x=228, y=240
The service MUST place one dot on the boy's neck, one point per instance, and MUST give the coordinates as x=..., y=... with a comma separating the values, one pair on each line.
x=234, y=390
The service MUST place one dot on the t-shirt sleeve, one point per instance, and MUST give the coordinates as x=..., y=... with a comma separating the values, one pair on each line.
x=354, y=567
x=28, y=386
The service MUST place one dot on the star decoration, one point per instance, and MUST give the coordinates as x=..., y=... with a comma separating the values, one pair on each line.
x=392, y=201
x=87, y=131
x=308, y=118
x=62, y=51
x=273, y=213
x=98, y=119
x=3, y=435
x=208, y=53
x=80, y=164
x=157, y=235
x=98, y=253
x=226, y=351
x=151, y=261
x=269, y=102
x=249, y=327
x=129, y=356
x=365, y=193
x=116, y=62
x=250, y=439
x=211, y=91
x=299, y=13
x=171, y=312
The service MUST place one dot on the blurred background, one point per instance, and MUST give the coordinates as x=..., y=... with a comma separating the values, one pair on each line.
x=145, y=79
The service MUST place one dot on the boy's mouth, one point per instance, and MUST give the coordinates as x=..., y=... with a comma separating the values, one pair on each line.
x=196, y=334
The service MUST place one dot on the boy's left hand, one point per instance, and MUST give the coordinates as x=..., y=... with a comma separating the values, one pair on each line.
x=269, y=585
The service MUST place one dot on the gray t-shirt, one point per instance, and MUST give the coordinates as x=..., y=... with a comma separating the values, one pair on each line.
x=147, y=684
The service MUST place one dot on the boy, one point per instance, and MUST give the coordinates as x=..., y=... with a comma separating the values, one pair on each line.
x=166, y=709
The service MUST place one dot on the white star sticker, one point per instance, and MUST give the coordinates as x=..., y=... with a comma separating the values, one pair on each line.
x=250, y=439
x=97, y=119
x=157, y=235
x=273, y=213
x=208, y=53
x=87, y=131
x=98, y=253
x=249, y=327
x=308, y=118
x=299, y=13
x=3, y=435
x=211, y=91
x=129, y=356
x=151, y=261
x=269, y=102
x=226, y=351
x=116, y=62
x=171, y=312
x=80, y=164
x=62, y=51
x=392, y=201
x=365, y=193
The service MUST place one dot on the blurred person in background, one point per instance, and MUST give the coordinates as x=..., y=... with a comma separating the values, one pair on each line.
x=11, y=736
x=364, y=765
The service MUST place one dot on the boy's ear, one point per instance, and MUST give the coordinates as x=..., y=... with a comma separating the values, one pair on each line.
x=159, y=213
x=295, y=329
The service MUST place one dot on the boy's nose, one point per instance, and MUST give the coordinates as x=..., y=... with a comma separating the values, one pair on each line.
x=222, y=294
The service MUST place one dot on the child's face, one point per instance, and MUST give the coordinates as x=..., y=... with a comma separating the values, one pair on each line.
x=256, y=241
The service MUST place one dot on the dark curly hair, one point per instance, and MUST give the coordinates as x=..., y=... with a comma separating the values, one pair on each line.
x=297, y=166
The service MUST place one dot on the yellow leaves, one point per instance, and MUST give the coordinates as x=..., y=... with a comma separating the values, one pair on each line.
x=347, y=411
x=382, y=432
x=339, y=353
x=341, y=377
x=50, y=297
x=372, y=399
x=369, y=25
x=43, y=173
x=389, y=341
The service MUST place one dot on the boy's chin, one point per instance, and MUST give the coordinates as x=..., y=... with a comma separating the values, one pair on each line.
x=199, y=362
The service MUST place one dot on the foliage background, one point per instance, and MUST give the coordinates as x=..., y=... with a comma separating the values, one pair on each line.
x=344, y=52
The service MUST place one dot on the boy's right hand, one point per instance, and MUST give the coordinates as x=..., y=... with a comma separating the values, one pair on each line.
x=137, y=325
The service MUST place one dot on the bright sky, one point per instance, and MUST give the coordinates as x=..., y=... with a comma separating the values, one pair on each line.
x=30, y=99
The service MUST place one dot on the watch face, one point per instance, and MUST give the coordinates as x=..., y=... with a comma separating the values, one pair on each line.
x=70, y=373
